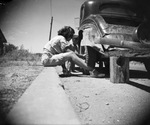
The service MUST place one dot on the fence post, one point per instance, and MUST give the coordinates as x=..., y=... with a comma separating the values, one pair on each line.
x=119, y=69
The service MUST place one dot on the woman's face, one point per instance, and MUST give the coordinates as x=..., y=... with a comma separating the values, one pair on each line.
x=75, y=40
x=69, y=38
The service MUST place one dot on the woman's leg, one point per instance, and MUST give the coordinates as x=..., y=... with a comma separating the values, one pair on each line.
x=60, y=59
x=80, y=62
x=71, y=56
x=55, y=60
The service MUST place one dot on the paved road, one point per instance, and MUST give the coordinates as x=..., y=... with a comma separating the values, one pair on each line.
x=98, y=101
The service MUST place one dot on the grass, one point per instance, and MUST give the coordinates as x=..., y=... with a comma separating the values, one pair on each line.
x=18, y=56
x=18, y=68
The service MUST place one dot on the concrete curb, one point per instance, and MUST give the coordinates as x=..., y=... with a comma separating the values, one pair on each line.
x=44, y=102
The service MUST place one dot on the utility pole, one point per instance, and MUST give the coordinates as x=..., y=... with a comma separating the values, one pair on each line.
x=51, y=23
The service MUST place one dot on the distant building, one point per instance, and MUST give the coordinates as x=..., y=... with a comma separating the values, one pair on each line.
x=2, y=42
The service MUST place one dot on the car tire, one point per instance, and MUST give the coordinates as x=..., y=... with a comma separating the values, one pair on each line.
x=93, y=57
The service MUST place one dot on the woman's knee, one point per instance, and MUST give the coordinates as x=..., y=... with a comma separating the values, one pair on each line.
x=72, y=53
x=44, y=60
x=73, y=56
x=69, y=55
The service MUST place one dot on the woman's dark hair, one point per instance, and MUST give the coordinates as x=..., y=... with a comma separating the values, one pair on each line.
x=67, y=32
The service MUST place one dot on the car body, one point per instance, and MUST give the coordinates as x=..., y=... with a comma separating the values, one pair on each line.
x=116, y=28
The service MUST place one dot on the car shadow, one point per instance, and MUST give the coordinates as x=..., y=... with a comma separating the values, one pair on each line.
x=133, y=74
x=140, y=86
x=139, y=74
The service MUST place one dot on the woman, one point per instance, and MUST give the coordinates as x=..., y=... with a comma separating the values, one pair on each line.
x=57, y=51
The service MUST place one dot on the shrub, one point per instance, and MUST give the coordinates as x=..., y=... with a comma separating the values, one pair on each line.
x=20, y=54
x=10, y=47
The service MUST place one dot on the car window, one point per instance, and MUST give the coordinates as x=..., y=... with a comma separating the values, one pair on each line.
x=115, y=10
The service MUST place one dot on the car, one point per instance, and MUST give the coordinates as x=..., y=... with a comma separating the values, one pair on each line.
x=115, y=28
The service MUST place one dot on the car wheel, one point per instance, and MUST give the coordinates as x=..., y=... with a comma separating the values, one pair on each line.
x=93, y=57
x=107, y=67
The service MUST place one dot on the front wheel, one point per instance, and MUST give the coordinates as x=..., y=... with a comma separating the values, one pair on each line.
x=92, y=57
x=82, y=52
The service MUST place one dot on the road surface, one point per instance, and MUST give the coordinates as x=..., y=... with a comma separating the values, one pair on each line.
x=98, y=101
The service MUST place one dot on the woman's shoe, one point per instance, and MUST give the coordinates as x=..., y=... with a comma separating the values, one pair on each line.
x=66, y=73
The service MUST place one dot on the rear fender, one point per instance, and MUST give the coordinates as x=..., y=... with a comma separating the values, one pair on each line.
x=96, y=33
x=95, y=20
x=94, y=27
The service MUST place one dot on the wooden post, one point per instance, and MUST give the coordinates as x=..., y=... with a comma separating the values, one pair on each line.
x=50, y=28
x=119, y=69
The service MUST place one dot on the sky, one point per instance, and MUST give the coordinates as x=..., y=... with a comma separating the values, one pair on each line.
x=27, y=22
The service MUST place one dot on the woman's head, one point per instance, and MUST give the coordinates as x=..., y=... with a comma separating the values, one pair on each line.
x=67, y=32
x=75, y=39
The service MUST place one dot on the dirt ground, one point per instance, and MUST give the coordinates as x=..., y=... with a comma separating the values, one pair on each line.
x=15, y=78
x=96, y=101
x=100, y=102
